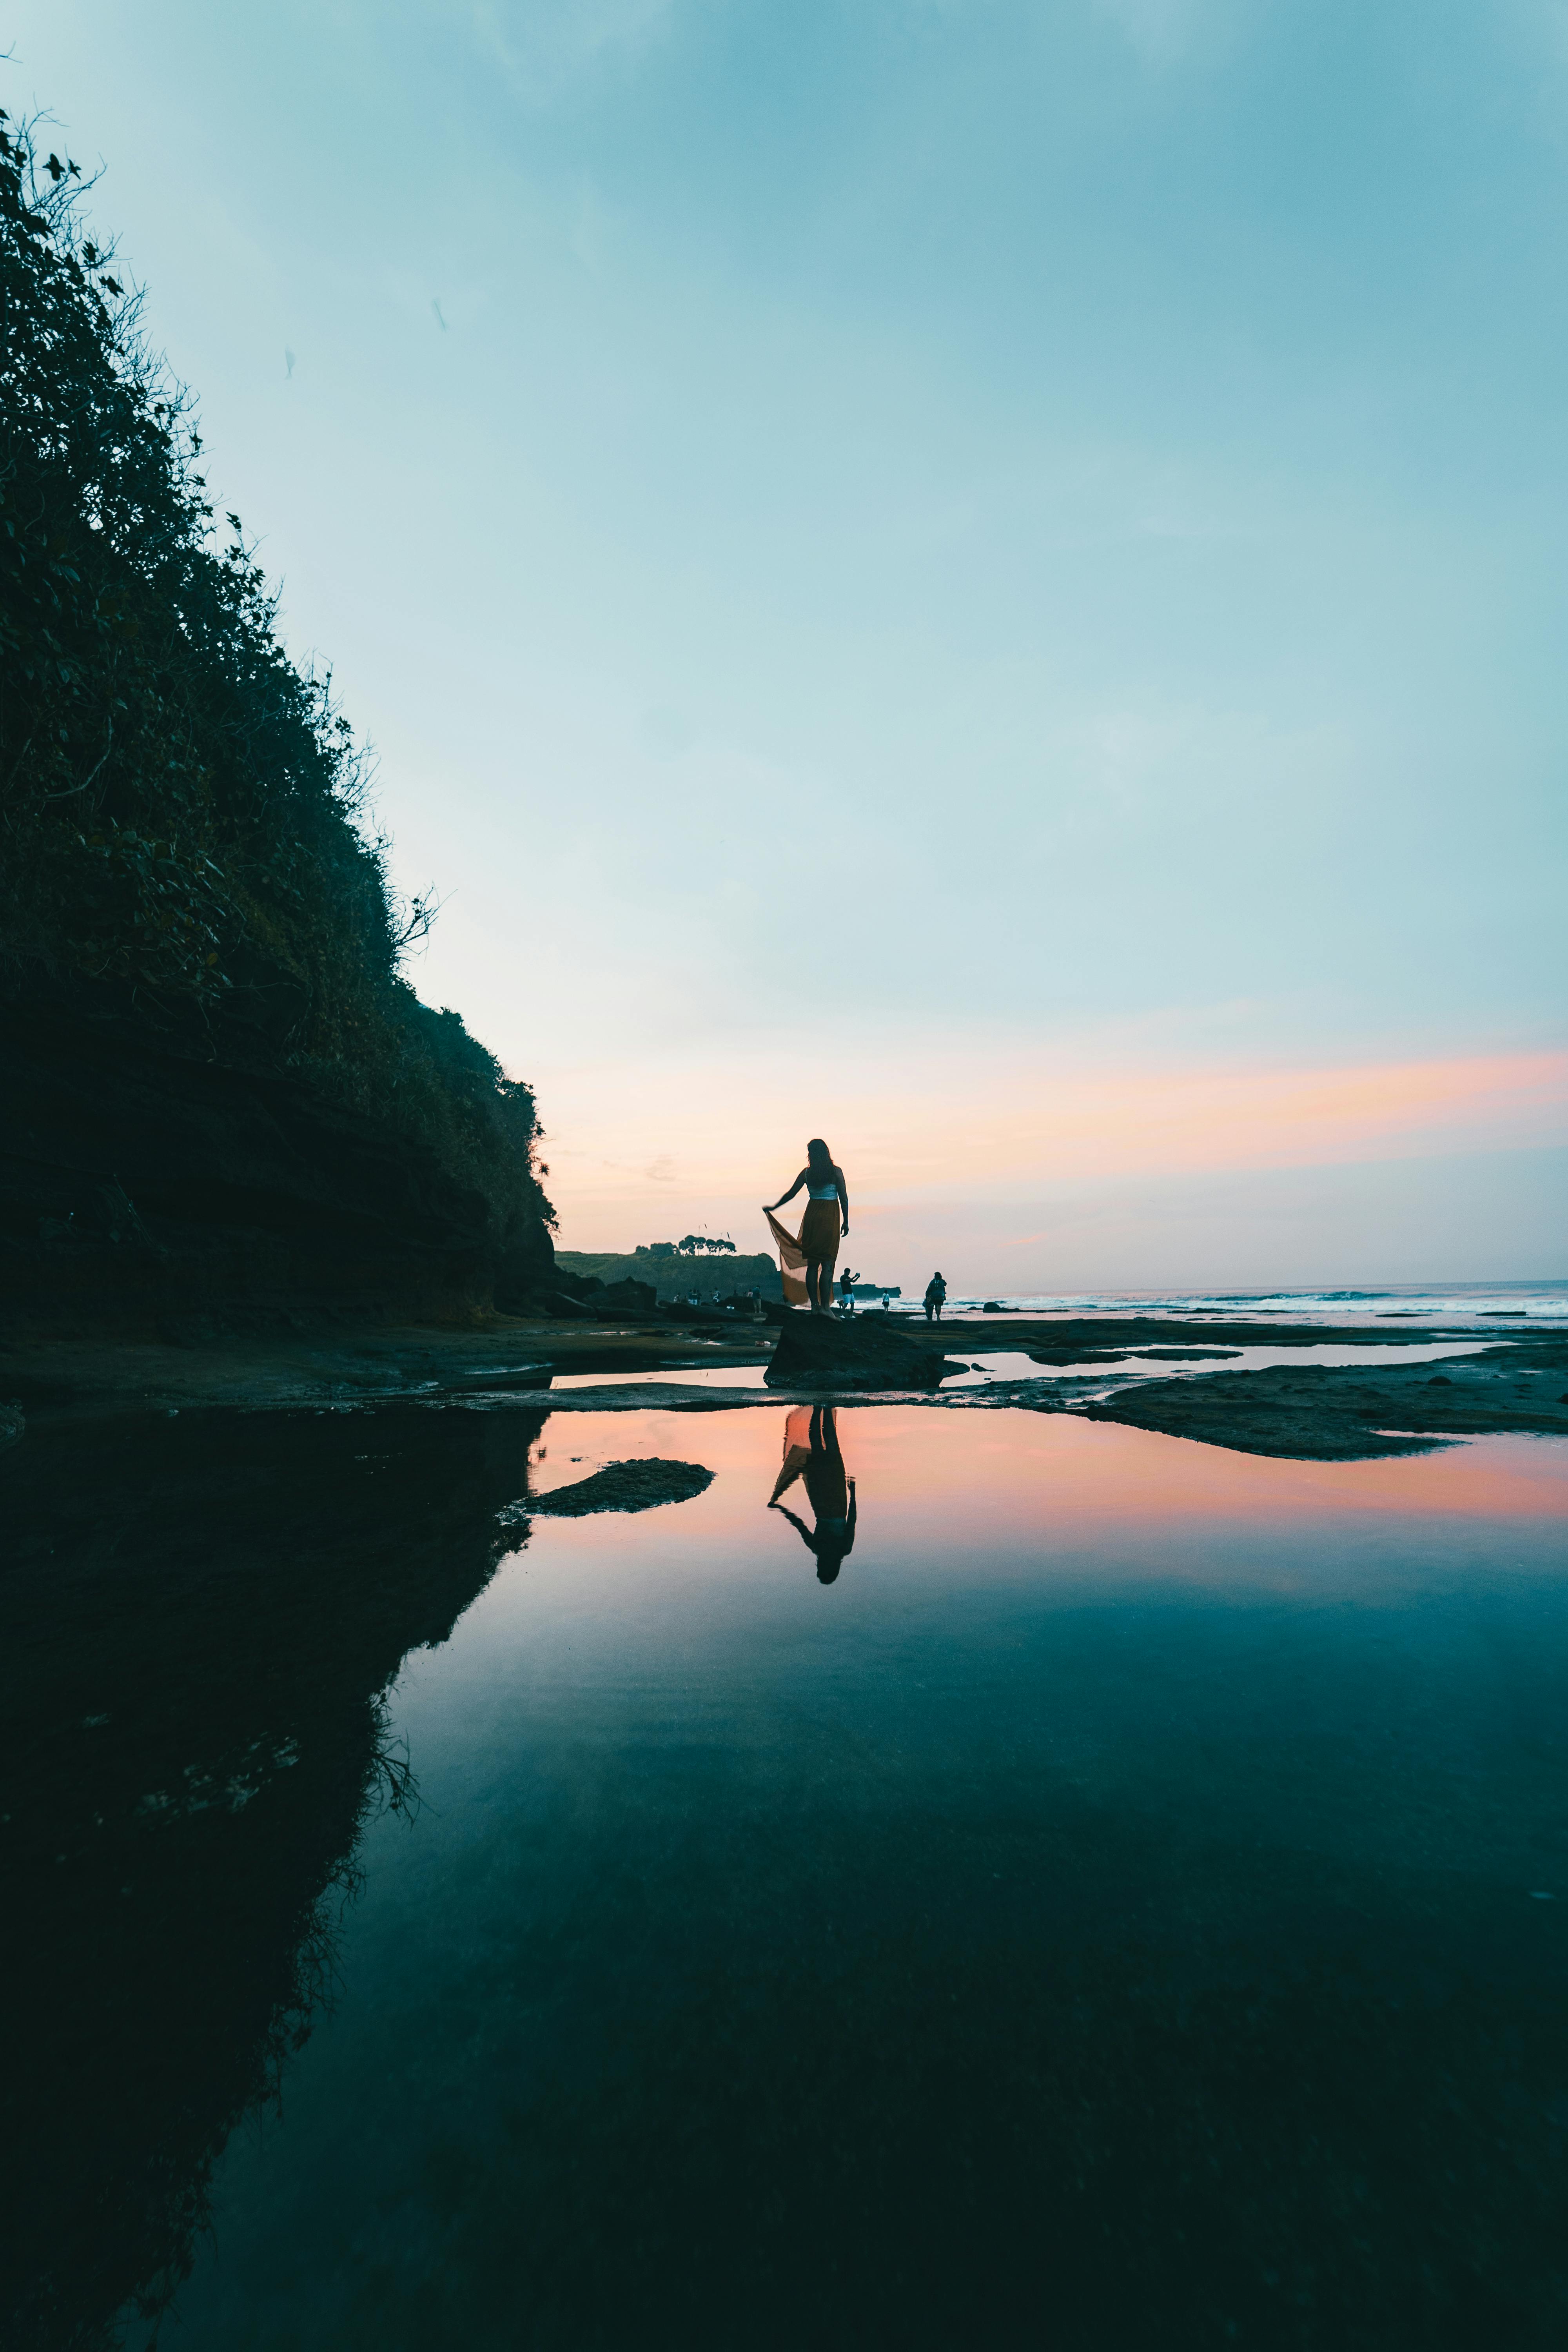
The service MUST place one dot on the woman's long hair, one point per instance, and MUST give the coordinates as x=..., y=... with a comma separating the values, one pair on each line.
x=818, y=1158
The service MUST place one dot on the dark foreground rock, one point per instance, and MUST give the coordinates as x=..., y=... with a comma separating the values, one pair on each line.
x=819, y=1351
x=1080, y=1354
x=577, y=1299
x=1165, y=1354
x=1324, y=1413
x=623, y=1487
x=623, y=1299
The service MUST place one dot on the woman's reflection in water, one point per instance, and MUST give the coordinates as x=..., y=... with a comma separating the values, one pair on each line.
x=811, y=1451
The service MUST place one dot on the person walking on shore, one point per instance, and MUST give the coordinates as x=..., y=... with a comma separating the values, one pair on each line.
x=820, y=1231
x=936, y=1297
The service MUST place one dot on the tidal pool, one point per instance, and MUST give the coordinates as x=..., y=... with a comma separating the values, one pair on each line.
x=1124, y=1903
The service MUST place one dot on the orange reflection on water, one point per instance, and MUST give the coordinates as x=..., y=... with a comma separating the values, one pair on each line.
x=1095, y=1472
x=1015, y=1492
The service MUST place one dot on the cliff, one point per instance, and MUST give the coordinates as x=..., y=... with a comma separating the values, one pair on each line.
x=222, y=1097
x=156, y=1180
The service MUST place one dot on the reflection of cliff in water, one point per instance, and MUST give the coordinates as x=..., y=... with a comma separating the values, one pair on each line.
x=199, y=1617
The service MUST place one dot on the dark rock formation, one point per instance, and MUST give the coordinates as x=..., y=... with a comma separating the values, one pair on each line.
x=1071, y=1339
x=1172, y=1354
x=575, y=1297
x=1346, y=1413
x=1080, y=1355
x=624, y=1486
x=619, y=1300
x=818, y=1351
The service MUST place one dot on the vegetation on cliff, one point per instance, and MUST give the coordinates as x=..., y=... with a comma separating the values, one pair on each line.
x=186, y=834
x=674, y=1280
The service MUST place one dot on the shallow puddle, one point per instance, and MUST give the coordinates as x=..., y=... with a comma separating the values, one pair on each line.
x=1005, y=1366
x=697, y=1376
x=1098, y=1889
x=1152, y=1364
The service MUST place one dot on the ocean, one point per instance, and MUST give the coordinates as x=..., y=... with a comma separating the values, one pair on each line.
x=1425, y=1302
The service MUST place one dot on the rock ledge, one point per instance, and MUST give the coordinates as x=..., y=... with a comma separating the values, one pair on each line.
x=618, y=1486
x=820, y=1352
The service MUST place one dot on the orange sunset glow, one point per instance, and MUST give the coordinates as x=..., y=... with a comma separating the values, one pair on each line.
x=659, y=1143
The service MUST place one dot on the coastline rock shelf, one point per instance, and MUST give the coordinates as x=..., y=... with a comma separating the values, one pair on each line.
x=619, y=1486
x=1517, y=1381
x=1343, y=1413
x=818, y=1351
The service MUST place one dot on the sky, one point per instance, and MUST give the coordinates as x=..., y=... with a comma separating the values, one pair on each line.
x=981, y=578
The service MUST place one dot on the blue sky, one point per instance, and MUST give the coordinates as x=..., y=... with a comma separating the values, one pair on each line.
x=906, y=562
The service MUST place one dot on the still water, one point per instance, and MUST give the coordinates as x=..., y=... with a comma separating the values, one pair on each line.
x=1120, y=1898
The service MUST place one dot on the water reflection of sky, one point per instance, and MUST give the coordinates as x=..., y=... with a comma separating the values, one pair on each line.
x=1025, y=1492
x=1006, y=1365
x=1149, y=1363
x=1198, y=1720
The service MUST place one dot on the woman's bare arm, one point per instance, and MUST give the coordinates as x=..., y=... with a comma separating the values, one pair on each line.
x=771, y=1205
x=799, y=1525
x=843, y=1198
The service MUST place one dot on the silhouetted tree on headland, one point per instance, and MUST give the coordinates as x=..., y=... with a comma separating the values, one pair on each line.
x=184, y=812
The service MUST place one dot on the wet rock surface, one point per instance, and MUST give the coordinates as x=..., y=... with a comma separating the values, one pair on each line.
x=859, y=1352
x=1519, y=1383
x=1327, y=1413
x=1187, y=1354
x=623, y=1487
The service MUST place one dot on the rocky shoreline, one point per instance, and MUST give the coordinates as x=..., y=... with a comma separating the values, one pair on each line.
x=1097, y=1368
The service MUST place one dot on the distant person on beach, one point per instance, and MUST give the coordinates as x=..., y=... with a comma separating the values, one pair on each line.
x=812, y=1453
x=847, y=1282
x=827, y=1193
x=936, y=1297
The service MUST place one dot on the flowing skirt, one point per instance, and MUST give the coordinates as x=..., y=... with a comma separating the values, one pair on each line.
x=819, y=1232
x=818, y=1237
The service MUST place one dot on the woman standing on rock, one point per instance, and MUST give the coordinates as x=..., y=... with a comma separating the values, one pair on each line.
x=820, y=1231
